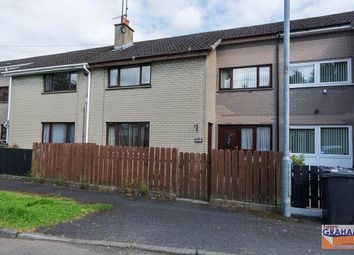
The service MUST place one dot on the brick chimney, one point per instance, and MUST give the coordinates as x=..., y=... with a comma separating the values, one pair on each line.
x=123, y=34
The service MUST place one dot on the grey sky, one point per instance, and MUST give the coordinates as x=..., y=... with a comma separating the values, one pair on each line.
x=38, y=27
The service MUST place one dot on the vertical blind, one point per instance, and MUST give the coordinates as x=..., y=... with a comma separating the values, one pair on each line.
x=263, y=139
x=264, y=76
x=245, y=77
x=302, y=74
x=335, y=141
x=332, y=72
x=302, y=141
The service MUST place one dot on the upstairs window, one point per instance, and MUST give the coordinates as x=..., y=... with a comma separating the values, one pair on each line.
x=4, y=95
x=246, y=77
x=126, y=76
x=310, y=74
x=60, y=82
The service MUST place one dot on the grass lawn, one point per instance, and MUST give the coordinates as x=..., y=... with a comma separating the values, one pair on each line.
x=27, y=212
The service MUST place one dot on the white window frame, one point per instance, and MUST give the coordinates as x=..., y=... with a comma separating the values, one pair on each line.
x=317, y=156
x=317, y=82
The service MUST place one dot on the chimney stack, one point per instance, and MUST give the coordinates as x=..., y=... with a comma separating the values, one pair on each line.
x=123, y=34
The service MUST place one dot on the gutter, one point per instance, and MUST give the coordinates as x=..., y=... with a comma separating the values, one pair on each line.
x=88, y=102
x=320, y=30
x=6, y=68
x=46, y=69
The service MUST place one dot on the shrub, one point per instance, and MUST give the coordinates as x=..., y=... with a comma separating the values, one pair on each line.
x=298, y=160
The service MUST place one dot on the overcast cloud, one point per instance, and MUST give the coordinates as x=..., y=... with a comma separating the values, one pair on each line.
x=38, y=27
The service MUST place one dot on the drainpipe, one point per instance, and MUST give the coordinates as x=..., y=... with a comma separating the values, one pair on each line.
x=88, y=101
x=278, y=88
x=8, y=109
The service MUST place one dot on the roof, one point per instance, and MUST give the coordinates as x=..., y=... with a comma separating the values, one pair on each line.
x=179, y=44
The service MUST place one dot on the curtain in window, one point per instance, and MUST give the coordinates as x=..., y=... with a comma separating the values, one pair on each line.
x=112, y=135
x=335, y=141
x=302, y=74
x=130, y=76
x=124, y=134
x=113, y=77
x=71, y=133
x=144, y=135
x=48, y=84
x=264, y=76
x=245, y=77
x=246, y=138
x=46, y=132
x=332, y=72
x=302, y=141
x=263, y=139
x=225, y=79
x=134, y=134
x=145, y=74
x=59, y=133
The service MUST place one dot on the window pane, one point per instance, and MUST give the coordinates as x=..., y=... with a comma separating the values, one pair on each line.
x=73, y=81
x=335, y=141
x=225, y=79
x=246, y=138
x=302, y=141
x=130, y=76
x=113, y=77
x=264, y=76
x=145, y=74
x=133, y=134
x=61, y=81
x=124, y=134
x=48, y=83
x=46, y=131
x=58, y=133
x=112, y=135
x=71, y=133
x=263, y=139
x=332, y=72
x=245, y=77
x=302, y=74
x=144, y=135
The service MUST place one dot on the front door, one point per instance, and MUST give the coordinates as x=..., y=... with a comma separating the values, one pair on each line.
x=229, y=138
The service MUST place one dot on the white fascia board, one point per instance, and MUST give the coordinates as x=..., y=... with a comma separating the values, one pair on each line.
x=47, y=69
x=320, y=30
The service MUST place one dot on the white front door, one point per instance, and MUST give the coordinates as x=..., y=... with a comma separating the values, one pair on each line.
x=323, y=145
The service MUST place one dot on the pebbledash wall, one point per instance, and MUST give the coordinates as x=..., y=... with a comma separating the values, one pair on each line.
x=173, y=105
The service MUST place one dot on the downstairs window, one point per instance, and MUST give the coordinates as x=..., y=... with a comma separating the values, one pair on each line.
x=128, y=134
x=58, y=133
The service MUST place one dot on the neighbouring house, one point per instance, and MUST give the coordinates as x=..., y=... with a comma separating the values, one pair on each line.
x=4, y=97
x=219, y=89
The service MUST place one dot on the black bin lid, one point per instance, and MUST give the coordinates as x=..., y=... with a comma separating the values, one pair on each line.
x=326, y=172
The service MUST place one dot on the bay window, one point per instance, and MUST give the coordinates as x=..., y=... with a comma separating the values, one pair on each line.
x=319, y=73
x=58, y=132
x=252, y=77
x=60, y=82
x=128, y=134
x=126, y=76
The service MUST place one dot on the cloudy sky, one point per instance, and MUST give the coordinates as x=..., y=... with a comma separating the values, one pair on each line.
x=38, y=27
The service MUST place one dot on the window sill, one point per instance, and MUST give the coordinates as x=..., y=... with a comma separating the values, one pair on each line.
x=243, y=90
x=5, y=102
x=129, y=87
x=306, y=86
x=59, y=92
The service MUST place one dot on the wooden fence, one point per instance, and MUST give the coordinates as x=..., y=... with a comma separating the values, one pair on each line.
x=235, y=175
x=246, y=176
x=306, y=187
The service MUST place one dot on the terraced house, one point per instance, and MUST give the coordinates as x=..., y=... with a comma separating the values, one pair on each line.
x=219, y=89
